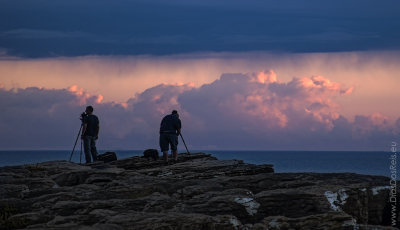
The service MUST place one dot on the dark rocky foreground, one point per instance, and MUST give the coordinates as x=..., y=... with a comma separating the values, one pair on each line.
x=197, y=192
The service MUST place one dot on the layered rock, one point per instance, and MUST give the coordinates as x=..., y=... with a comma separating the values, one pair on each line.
x=197, y=192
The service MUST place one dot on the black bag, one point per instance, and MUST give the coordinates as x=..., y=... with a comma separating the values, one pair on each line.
x=107, y=157
x=151, y=153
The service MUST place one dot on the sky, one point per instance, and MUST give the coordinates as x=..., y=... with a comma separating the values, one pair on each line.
x=244, y=75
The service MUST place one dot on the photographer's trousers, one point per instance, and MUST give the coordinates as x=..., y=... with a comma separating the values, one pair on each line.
x=89, y=144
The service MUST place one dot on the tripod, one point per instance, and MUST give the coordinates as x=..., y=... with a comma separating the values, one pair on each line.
x=187, y=150
x=73, y=149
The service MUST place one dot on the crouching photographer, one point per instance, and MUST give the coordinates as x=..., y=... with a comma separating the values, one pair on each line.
x=90, y=133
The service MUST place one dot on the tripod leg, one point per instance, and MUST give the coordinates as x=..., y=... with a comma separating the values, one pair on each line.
x=185, y=144
x=80, y=159
x=70, y=157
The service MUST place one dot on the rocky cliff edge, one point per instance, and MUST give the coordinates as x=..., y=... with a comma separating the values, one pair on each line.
x=197, y=192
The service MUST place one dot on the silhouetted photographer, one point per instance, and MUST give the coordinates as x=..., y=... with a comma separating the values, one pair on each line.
x=90, y=133
x=170, y=129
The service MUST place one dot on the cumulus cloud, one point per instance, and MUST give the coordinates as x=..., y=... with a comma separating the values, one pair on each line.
x=262, y=108
x=83, y=95
x=236, y=111
x=35, y=117
x=260, y=97
x=118, y=78
x=49, y=118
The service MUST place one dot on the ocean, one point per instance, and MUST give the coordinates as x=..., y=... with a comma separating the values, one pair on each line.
x=362, y=162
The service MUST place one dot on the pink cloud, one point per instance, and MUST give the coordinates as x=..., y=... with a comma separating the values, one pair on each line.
x=373, y=74
x=236, y=111
x=256, y=106
x=367, y=125
x=265, y=76
x=277, y=104
x=83, y=96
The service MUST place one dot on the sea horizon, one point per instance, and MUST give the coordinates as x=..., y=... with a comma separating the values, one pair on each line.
x=284, y=161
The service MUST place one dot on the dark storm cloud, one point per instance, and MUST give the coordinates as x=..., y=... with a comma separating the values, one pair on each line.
x=74, y=28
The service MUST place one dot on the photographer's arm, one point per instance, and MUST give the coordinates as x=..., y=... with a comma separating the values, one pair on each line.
x=97, y=133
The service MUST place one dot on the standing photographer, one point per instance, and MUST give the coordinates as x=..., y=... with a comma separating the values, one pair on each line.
x=90, y=133
x=170, y=129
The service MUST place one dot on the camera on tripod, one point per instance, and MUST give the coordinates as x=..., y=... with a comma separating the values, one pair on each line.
x=83, y=115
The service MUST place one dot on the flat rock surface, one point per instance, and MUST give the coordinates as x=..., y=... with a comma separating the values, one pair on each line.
x=196, y=192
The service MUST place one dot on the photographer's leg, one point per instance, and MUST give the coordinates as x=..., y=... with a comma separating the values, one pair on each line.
x=86, y=146
x=165, y=156
x=93, y=148
x=164, y=146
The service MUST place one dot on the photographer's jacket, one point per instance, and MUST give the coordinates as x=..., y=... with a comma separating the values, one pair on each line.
x=170, y=124
x=92, y=128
